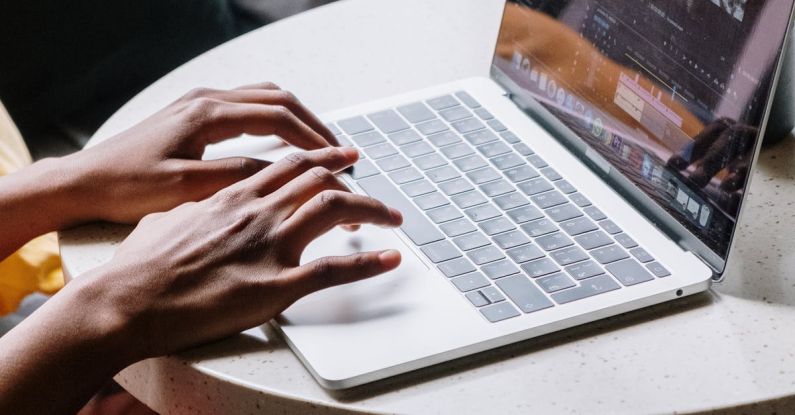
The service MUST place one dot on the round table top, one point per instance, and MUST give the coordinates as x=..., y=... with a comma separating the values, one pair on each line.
x=731, y=347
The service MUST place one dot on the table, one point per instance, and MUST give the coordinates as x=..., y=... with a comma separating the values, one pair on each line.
x=731, y=349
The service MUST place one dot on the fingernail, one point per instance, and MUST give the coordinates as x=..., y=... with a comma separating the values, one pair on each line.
x=389, y=258
x=397, y=217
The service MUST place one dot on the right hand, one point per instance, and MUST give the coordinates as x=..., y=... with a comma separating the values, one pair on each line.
x=210, y=269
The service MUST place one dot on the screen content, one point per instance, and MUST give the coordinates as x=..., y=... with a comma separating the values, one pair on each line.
x=672, y=93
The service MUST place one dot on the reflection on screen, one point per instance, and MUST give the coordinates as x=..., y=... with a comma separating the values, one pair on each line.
x=672, y=92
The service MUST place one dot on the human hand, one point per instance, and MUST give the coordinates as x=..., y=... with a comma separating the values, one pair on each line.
x=156, y=165
x=209, y=269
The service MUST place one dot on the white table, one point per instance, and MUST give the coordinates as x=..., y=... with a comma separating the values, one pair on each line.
x=731, y=347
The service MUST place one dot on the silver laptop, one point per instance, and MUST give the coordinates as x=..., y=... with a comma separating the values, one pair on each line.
x=600, y=169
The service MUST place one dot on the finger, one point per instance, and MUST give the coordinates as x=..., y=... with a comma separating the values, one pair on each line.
x=259, y=85
x=701, y=143
x=331, y=208
x=290, y=197
x=221, y=120
x=293, y=165
x=278, y=97
x=208, y=176
x=738, y=172
x=330, y=271
x=715, y=159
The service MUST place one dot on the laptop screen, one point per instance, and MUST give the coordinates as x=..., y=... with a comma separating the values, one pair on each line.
x=672, y=93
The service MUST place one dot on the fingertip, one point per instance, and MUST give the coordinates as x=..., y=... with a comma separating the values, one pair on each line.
x=397, y=217
x=390, y=258
x=350, y=154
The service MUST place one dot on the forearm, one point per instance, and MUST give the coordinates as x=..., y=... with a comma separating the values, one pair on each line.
x=38, y=199
x=55, y=360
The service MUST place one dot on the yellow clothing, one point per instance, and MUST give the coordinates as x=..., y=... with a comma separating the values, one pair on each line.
x=36, y=266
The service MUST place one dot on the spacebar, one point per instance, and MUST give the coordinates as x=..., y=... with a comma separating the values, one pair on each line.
x=418, y=228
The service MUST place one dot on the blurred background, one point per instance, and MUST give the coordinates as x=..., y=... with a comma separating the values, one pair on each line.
x=66, y=66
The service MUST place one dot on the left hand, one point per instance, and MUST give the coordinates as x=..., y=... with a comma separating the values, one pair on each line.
x=157, y=164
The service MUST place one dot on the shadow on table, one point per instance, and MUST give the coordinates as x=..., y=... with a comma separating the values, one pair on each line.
x=526, y=347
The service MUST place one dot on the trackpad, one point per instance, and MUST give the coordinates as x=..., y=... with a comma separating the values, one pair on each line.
x=375, y=298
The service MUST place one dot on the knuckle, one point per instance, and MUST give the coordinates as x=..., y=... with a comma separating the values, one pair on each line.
x=246, y=165
x=323, y=175
x=201, y=109
x=197, y=93
x=297, y=160
x=329, y=199
x=281, y=114
x=269, y=85
x=323, y=266
x=286, y=97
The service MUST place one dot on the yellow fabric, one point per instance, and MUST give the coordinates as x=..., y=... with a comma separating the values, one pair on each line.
x=36, y=266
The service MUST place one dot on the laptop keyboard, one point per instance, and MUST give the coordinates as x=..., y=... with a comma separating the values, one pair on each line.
x=509, y=231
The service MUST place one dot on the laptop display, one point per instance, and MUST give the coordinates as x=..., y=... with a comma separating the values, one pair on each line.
x=671, y=93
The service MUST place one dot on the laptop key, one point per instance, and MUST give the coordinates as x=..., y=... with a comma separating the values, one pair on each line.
x=417, y=149
x=539, y=227
x=477, y=299
x=456, y=186
x=416, y=112
x=430, y=161
x=404, y=137
x=471, y=281
x=578, y=226
x=468, y=125
x=431, y=127
x=554, y=241
x=658, y=270
x=540, y=267
x=536, y=161
x=355, y=125
x=457, y=151
x=362, y=169
x=482, y=212
x=440, y=251
x=568, y=256
x=406, y=175
x=523, y=149
x=588, y=288
x=485, y=255
x=629, y=272
x=565, y=187
x=525, y=214
x=418, y=188
x=388, y=121
x=579, y=199
x=555, y=282
x=609, y=253
x=610, y=227
x=430, y=200
x=483, y=114
x=551, y=174
x=442, y=174
x=442, y=102
x=391, y=163
x=525, y=253
x=493, y=294
x=456, y=267
x=498, y=312
x=506, y=161
x=333, y=128
x=380, y=151
x=493, y=149
x=470, y=163
x=455, y=113
x=495, y=226
x=625, y=240
x=548, y=199
x=593, y=240
x=468, y=199
x=524, y=293
x=641, y=255
x=416, y=226
x=483, y=175
x=467, y=99
x=496, y=188
x=511, y=200
x=584, y=270
x=480, y=137
x=511, y=239
x=535, y=186
x=563, y=212
x=471, y=241
x=496, y=125
x=444, y=138
x=457, y=227
x=499, y=269
x=510, y=137
x=444, y=214
x=521, y=173
x=594, y=213
x=368, y=138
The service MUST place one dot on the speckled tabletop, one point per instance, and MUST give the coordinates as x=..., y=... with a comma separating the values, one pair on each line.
x=730, y=350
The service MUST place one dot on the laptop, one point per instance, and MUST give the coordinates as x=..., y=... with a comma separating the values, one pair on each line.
x=601, y=168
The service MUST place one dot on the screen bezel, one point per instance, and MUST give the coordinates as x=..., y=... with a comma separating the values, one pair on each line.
x=650, y=209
